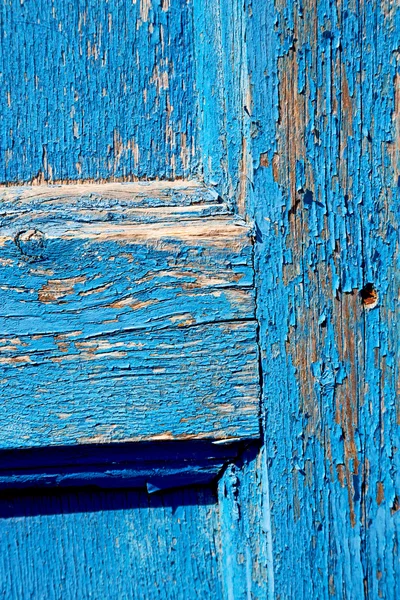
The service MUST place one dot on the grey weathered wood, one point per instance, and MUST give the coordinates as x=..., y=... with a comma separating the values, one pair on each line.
x=127, y=313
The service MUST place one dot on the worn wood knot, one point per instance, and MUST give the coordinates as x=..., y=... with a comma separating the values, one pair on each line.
x=31, y=243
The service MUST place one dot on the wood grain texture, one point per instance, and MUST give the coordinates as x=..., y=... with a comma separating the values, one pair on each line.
x=223, y=97
x=298, y=116
x=324, y=193
x=125, y=319
x=117, y=545
x=315, y=106
x=244, y=523
x=97, y=90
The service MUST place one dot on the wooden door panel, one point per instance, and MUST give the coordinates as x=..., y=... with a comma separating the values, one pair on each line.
x=93, y=90
x=116, y=545
x=201, y=383
x=292, y=110
x=128, y=314
x=156, y=340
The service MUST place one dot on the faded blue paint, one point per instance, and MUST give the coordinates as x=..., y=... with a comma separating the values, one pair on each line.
x=151, y=393
x=244, y=514
x=111, y=544
x=222, y=96
x=125, y=322
x=297, y=108
x=96, y=90
x=316, y=106
x=323, y=190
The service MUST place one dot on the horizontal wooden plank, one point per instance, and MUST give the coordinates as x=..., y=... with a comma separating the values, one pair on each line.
x=100, y=272
x=173, y=383
x=121, y=319
x=109, y=202
x=180, y=192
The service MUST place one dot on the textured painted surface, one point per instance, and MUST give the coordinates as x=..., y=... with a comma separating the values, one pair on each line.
x=298, y=114
x=222, y=96
x=96, y=90
x=114, y=545
x=245, y=527
x=125, y=319
x=323, y=126
x=310, y=94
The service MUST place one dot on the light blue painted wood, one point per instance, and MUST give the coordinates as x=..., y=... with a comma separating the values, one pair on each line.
x=223, y=97
x=323, y=191
x=96, y=90
x=244, y=524
x=125, y=320
x=115, y=545
x=321, y=131
x=297, y=108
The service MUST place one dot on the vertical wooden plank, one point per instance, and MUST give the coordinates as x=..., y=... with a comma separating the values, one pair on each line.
x=324, y=97
x=325, y=83
x=226, y=130
x=224, y=101
x=245, y=528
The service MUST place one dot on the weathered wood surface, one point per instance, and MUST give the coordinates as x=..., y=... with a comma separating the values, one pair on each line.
x=298, y=122
x=125, y=317
x=244, y=525
x=320, y=136
x=119, y=545
x=97, y=90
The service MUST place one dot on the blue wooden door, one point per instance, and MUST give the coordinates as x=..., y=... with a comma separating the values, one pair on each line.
x=129, y=356
x=198, y=299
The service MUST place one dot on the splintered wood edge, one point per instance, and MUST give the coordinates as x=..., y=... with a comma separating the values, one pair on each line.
x=162, y=190
x=227, y=232
x=122, y=212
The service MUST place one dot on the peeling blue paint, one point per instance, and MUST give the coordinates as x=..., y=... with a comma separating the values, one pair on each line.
x=325, y=86
x=96, y=91
x=118, y=328
x=292, y=110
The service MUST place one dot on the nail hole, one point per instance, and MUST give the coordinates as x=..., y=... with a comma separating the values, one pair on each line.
x=369, y=295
